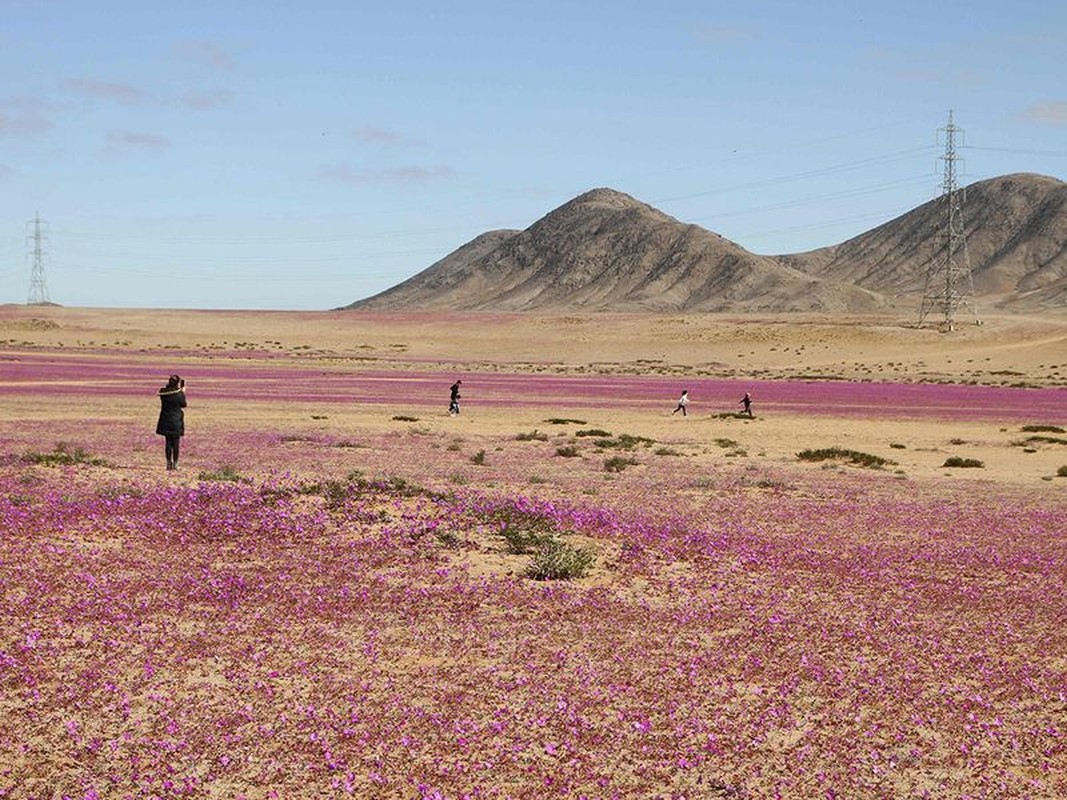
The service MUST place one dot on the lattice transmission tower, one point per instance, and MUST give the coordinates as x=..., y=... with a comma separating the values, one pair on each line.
x=38, y=285
x=948, y=286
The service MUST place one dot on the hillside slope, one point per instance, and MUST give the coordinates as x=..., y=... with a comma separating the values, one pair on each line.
x=604, y=250
x=1016, y=234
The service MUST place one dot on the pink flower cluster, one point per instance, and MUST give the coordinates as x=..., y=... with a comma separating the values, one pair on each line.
x=54, y=375
x=316, y=636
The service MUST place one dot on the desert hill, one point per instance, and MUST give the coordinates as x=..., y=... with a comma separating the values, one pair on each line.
x=606, y=251
x=1016, y=233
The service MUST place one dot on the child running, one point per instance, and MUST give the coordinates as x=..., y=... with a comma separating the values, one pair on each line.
x=683, y=401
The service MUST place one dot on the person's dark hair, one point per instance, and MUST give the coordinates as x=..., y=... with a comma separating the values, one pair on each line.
x=174, y=382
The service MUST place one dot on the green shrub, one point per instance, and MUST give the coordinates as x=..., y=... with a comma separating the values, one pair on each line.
x=1062, y=471
x=1043, y=429
x=898, y=446
x=624, y=441
x=393, y=485
x=1046, y=439
x=523, y=540
x=593, y=432
x=666, y=451
x=479, y=458
x=404, y=418
x=841, y=454
x=523, y=530
x=533, y=436
x=618, y=463
x=400, y=486
x=447, y=539
x=564, y=421
x=957, y=461
x=225, y=473
x=726, y=443
x=63, y=455
x=334, y=492
x=556, y=560
x=567, y=451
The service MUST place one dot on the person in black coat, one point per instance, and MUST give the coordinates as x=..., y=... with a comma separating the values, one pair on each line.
x=171, y=425
x=453, y=402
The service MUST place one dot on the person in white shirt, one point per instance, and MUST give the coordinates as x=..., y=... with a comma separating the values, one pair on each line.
x=683, y=401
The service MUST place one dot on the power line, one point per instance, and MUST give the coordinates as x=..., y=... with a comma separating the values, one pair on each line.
x=1057, y=153
x=889, y=158
x=833, y=223
x=812, y=199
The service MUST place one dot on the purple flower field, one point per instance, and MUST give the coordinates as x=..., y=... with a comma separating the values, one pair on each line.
x=343, y=616
x=44, y=375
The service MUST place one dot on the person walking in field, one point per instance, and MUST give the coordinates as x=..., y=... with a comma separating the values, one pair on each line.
x=453, y=403
x=683, y=401
x=171, y=424
x=746, y=405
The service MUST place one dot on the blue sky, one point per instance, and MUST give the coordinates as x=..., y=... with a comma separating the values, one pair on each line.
x=306, y=155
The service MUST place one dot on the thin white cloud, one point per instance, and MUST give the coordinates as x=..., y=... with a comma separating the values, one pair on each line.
x=23, y=124
x=1050, y=112
x=370, y=134
x=345, y=173
x=120, y=143
x=121, y=93
x=33, y=105
x=208, y=54
x=206, y=99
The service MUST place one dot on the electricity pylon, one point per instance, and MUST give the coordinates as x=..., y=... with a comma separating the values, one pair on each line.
x=948, y=285
x=38, y=285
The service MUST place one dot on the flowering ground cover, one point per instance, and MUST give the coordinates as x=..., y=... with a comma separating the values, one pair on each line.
x=44, y=375
x=311, y=636
x=339, y=614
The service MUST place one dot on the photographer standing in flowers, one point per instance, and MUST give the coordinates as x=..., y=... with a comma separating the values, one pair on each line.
x=171, y=425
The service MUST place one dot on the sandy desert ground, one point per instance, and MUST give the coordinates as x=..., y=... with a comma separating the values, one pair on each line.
x=737, y=353
x=320, y=601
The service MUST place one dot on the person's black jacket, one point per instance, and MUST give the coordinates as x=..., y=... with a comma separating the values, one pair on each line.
x=171, y=417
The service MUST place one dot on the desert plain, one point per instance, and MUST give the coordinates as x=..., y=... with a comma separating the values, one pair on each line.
x=333, y=596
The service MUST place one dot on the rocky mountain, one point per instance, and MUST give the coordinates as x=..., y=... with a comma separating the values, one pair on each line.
x=606, y=251
x=1015, y=227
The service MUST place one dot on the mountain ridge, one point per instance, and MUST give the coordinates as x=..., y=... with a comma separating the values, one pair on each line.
x=605, y=250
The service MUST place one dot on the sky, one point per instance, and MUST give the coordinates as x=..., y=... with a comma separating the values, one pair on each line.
x=280, y=155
